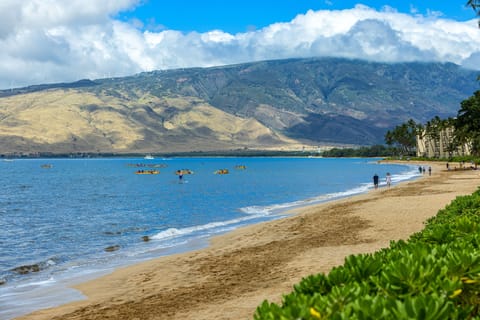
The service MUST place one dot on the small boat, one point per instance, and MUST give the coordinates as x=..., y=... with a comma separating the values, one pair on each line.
x=46, y=166
x=221, y=171
x=148, y=157
x=147, y=172
x=240, y=167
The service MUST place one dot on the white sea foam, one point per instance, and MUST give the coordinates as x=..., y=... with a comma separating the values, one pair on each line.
x=48, y=281
x=213, y=227
x=169, y=233
x=278, y=208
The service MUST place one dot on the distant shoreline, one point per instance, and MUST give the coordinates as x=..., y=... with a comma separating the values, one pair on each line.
x=233, y=153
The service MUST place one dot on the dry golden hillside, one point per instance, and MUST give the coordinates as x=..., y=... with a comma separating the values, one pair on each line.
x=71, y=120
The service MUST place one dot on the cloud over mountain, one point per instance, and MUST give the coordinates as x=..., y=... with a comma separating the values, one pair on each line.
x=45, y=41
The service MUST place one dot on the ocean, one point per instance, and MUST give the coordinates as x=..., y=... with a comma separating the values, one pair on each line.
x=65, y=221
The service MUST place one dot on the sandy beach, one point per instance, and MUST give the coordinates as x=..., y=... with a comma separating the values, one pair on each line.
x=230, y=278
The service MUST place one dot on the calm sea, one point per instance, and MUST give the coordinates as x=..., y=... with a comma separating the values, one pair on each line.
x=59, y=216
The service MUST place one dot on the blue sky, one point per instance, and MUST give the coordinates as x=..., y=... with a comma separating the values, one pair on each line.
x=235, y=16
x=47, y=41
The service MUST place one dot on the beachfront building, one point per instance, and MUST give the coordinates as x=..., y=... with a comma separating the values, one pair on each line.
x=440, y=144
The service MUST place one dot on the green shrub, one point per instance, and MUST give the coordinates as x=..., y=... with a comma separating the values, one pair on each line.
x=433, y=275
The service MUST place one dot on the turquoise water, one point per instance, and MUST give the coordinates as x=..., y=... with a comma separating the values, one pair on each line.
x=62, y=218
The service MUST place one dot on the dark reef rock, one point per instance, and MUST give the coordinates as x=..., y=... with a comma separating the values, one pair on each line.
x=27, y=269
x=112, y=248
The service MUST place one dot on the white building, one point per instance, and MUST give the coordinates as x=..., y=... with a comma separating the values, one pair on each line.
x=439, y=146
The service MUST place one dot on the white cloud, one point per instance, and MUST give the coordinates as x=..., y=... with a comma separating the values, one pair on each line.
x=54, y=40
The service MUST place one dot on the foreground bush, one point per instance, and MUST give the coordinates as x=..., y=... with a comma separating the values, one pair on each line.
x=433, y=275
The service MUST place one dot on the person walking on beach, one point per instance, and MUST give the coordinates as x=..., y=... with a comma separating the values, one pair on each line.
x=375, y=181
x=388, y=179
x=429, y=171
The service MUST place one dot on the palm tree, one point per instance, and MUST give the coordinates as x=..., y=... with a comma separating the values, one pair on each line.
x=448, y=138
x=467, y=124
x=404, y=137
x=475, y=5
x=433, y=130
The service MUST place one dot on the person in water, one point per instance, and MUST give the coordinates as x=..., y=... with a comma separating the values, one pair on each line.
x=179, y=173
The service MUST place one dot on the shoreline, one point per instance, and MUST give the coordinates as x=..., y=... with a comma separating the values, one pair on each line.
x=240, y=269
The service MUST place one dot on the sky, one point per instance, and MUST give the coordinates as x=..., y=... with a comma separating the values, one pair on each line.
x=49, y=41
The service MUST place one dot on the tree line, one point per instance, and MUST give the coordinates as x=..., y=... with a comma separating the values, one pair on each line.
x=466, y=130
x=466, y=126
x=402, y=140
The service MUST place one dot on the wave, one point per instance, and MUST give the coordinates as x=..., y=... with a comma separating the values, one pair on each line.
x=274, y=210
x=206, y=228
x=278, y=208
x=38, y=283
x=252, y=213
x=411, y=173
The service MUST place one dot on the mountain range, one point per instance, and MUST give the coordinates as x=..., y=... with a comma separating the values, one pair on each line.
x=278, y=104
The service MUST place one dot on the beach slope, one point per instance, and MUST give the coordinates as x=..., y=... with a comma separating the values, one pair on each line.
x=230, y=278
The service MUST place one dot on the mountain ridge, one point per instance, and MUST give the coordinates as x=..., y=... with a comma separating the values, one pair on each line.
x=269, y=104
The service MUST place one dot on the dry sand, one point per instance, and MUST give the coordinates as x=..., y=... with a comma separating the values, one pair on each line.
x=229, y=279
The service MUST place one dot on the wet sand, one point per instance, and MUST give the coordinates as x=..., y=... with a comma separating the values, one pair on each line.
x=230, y=278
